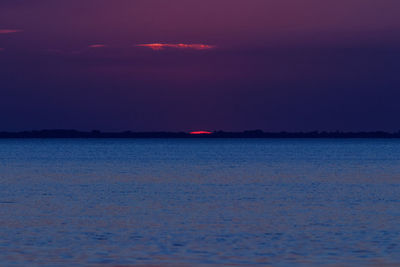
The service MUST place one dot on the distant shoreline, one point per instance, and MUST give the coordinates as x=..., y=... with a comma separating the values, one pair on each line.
x=53, y=134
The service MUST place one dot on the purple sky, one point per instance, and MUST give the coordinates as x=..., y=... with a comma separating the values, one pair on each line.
x=149, y=65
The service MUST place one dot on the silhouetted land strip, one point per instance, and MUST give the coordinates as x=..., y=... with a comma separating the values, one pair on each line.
x=217, y=134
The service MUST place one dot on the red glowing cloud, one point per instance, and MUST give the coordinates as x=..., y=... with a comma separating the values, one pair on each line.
x=159, y=46
x=1, y=49
x=7, y=31
x=201, y=132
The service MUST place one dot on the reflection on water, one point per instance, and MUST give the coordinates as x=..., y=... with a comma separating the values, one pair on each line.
x=199, y=202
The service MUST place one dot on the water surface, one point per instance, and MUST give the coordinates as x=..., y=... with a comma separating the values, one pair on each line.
x=199, y=202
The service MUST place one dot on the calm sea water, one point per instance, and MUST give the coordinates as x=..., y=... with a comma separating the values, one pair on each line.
x=199, y=202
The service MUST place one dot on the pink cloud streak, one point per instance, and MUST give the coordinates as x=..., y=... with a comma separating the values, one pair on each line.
x=97, y=45
x=159, y=46
x=7, y=31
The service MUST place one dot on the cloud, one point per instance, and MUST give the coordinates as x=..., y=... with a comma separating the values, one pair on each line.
x=1, y=49
x=7, y=31
x=97, y=45
x=159, y=46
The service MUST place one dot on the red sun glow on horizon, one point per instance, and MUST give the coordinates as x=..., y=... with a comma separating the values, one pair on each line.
x=201, y=132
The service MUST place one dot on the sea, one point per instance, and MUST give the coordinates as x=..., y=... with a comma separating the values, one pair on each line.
x=199, y=202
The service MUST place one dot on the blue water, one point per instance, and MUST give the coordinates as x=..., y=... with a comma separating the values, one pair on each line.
x=199, y=202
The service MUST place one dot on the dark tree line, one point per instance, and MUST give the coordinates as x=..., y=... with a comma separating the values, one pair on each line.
x=216, y=134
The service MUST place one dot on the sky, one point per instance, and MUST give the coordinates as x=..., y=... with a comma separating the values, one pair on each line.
x=187, y=65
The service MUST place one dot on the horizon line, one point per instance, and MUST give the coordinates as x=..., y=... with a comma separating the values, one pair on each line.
x=71, y=134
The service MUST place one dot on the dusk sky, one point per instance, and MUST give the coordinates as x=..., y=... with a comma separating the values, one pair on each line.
x=182, y=65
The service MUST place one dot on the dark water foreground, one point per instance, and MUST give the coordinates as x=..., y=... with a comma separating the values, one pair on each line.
x=200, y=202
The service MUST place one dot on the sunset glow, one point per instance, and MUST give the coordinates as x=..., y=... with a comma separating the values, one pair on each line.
x=201, y=132
x=160, y=46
